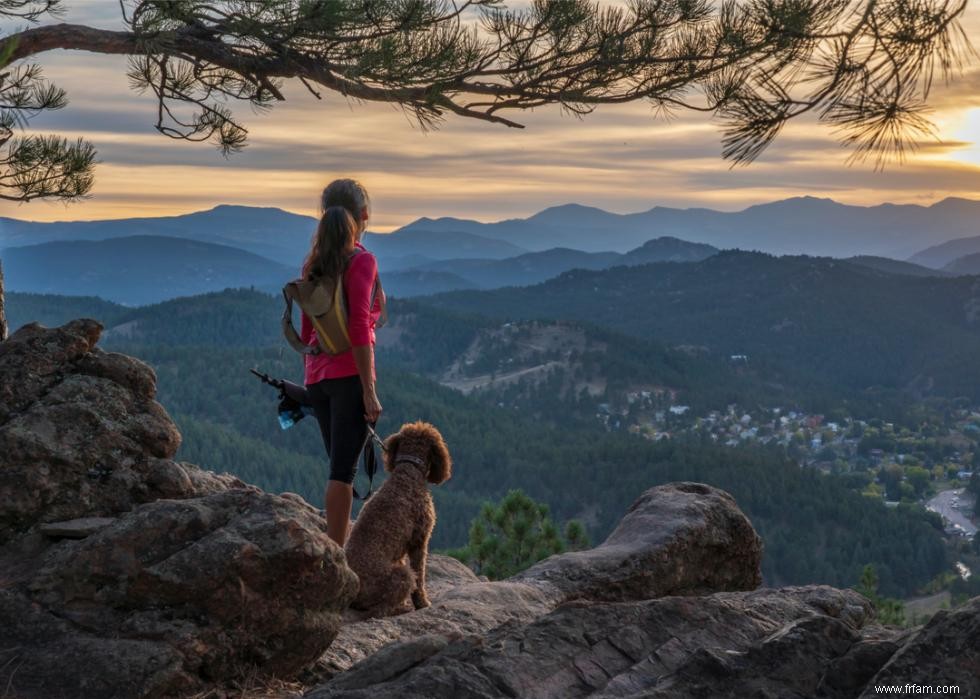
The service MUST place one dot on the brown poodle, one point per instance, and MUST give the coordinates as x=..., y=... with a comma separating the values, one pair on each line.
x=397, y=522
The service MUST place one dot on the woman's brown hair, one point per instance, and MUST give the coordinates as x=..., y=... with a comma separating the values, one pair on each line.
x=347, y=193
x=332, y=243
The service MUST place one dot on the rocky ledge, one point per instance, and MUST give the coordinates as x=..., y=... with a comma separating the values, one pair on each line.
x=124, y=573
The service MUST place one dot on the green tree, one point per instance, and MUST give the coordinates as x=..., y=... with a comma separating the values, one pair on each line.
x=513, y=535
x=919, y=479
x=889, y=611
x=863, y=67
x=974, y=487
x=891, y=476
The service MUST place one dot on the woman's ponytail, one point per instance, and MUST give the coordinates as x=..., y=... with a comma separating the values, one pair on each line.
x=332, y=241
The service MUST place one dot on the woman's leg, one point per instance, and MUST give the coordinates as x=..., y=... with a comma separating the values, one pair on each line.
x=347, y=433
x=319, y=394
x=338, y=499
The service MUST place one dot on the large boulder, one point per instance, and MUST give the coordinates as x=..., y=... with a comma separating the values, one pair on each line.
x=81, y=434
x=124, y=572
x=185, y=593
x=676, y=539
x=681, y=538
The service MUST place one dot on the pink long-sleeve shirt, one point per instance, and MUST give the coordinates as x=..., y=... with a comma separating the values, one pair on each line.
x=361, y=320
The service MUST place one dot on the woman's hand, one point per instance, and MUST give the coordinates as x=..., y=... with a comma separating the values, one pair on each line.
x=372, y=406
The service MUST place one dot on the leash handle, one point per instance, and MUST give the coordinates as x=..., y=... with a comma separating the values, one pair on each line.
x=370, y=460
x=374, y=435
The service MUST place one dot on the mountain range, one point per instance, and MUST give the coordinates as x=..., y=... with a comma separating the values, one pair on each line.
x=145, y=260
x=968, y=264
x=279, y=235
x=136, y=270
x=803, y=225
x=535, y=267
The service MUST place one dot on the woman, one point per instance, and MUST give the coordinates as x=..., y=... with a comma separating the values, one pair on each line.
x=342, y=387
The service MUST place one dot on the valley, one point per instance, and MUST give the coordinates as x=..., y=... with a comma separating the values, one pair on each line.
x=540, y=432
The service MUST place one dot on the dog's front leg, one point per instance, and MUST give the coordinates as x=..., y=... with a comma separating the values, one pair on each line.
x=417, y=556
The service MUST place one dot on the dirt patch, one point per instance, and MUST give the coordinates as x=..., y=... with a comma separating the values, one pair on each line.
x=473, y=383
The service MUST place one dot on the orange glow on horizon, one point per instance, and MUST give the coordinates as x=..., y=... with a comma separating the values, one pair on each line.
x=622, y=159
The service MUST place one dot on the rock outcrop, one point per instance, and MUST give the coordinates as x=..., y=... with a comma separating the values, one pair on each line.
x=792, y=643
x=124, y=573
x=761, y=643
x=80, y=432
x=681, y=538
x=665, y=607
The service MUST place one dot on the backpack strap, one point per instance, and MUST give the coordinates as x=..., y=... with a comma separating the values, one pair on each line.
x=376, y=292
x=379, y=292
x=288, y=331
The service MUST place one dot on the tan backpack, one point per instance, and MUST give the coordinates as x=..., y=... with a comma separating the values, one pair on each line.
x=324, y=303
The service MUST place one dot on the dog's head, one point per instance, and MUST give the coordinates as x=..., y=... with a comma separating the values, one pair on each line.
x=422, y=441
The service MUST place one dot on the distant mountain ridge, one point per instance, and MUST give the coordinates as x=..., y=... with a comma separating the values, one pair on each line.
x=945, y=254
x=279, y=235
x=536, y=267
x=890, y=266
x=801, y=225
x=968, y=264
x=137, y=270
x=269, y=232
x=439, y=255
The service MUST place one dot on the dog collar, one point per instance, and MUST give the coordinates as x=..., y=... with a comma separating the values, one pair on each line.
x=411, y=459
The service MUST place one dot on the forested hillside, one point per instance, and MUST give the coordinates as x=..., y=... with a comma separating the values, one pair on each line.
x=815, y=528
x=53, y=310
x=817, y=324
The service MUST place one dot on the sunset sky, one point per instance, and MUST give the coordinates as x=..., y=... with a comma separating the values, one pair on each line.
x=622, y=158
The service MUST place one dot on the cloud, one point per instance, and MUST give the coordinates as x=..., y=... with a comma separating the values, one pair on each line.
x=622, y=158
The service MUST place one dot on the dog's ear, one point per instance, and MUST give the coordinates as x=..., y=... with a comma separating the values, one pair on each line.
x=391, y=450
x=440, y=463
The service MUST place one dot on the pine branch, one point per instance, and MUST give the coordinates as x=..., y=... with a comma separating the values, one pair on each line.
x=865, y=68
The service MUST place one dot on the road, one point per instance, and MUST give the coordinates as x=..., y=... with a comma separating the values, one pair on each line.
x=944, y=505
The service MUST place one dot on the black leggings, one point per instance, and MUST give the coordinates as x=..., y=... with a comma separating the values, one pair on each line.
x=339, y=408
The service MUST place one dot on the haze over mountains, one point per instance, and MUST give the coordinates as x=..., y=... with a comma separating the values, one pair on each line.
x=946, y=254
x=152, y=259
x=279, y=235
x=804, y=225
x=137, y=269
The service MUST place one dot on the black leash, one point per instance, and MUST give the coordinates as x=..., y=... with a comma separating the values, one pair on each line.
x=370, y=459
